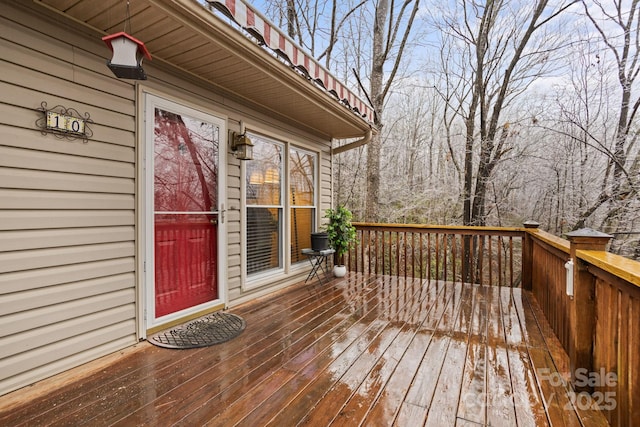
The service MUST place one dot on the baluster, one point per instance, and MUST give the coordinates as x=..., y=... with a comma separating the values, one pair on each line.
x=454, y=256
x=437, y=254
x=429, y=256
x=500, y=272
x=511, y=259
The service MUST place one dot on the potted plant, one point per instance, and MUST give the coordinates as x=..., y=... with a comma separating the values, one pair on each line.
x=341, y=234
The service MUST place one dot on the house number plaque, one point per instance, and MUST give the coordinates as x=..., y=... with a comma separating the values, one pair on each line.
x=64, y=122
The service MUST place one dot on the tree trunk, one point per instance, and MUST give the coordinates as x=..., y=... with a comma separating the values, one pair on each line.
x=377, y=96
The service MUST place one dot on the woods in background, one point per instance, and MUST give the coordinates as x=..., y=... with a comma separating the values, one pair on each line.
x=490, y=112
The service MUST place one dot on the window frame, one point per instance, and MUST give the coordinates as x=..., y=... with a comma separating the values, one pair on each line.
x=316, y=198
x=281, y=207
x=251, y=281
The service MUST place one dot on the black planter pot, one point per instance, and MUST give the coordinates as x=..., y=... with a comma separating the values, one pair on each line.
x=319, y=241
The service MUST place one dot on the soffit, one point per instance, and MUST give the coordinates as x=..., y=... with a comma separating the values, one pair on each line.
x=185, y=35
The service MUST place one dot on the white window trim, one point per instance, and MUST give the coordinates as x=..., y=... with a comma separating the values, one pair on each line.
x=316, y=183
x=289, y=270
x=267, y=277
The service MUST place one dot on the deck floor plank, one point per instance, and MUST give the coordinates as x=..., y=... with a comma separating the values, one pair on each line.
x=442, y=409
x=125, y=369
x=363, y=350
x=160, y=390
x=358, y=357
x=391, y=365
x=300, y=366
x=422, y=388
x=371, y=370
x=265, y=359
x=472, y=404
x=500, y=396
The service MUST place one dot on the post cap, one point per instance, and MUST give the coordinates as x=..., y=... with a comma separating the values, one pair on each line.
x=588, y=232
x=588, y=239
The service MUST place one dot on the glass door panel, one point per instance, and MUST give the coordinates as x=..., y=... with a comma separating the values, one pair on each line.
x=185, y=195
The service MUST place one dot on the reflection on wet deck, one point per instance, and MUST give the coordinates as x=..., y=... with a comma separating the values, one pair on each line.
x=372, y=350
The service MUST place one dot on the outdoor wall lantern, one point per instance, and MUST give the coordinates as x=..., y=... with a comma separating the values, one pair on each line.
x=241, y=146
x=128, y=53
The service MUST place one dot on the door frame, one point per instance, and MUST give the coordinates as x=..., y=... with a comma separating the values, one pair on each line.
x=147, y=323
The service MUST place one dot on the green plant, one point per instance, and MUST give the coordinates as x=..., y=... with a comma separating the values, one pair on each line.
x=340, y=230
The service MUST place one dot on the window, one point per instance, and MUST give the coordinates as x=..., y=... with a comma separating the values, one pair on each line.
x=264, y=206
x=302, y=200
x=267, y=203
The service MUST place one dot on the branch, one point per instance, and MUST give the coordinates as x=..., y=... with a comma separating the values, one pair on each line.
x=336, y=30
x=375, y=114
x=387, y=86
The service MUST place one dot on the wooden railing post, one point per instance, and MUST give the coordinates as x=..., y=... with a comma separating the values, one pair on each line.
x=527, y=255
x=582, y=307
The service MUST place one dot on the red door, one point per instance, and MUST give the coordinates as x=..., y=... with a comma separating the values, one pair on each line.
x=185, y=211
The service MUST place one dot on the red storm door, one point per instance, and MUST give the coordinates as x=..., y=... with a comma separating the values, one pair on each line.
x=185, y=211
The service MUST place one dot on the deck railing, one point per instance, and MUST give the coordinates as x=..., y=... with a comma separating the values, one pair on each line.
x=472, y=254
x=598, y=325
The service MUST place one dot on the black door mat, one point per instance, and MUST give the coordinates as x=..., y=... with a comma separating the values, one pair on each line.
x=212, y=329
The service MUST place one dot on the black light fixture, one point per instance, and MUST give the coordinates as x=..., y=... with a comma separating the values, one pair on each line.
x=241, y=146
x=128, y=53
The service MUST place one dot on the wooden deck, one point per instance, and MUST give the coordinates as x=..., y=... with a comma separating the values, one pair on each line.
x=364, y=350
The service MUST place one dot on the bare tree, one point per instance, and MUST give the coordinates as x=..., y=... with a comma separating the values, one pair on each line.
x=391, y=29
x=507, y=47
x=617, y=24
x=503, y=48
x=315, y=25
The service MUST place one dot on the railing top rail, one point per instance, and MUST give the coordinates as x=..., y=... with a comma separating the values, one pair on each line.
x=624, y=268
x=550, y=239
x=453, y=229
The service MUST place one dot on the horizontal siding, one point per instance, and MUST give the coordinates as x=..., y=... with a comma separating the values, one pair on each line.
x=69, y=90
x=34, y=239
x=42, y=258
x=36, y=200
x=72, y=352
x=50, y=334
x=67, y=206
x=88, y=53
x=63, y=181
x=233, y=268
x=104, y=141
x=19, y=158
x=56, y=58
x=28, y=299
x=22, y=281
x=35, y=219
x=325, y=183
x=51, y=314
x=33, y=139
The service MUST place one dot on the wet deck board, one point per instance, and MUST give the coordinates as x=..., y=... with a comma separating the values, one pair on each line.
x=373, y=350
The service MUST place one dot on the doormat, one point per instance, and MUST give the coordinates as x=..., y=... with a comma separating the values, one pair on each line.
x=212, y=329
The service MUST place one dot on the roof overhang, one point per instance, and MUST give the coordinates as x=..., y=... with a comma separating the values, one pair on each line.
x=186, y=36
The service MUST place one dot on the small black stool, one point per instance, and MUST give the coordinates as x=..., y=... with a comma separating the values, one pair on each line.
x=319, y=262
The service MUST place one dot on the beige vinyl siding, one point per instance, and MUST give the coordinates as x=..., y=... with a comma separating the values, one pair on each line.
x=69, y=210
x=326, y=195
x=234, y=242
x=67, y=207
